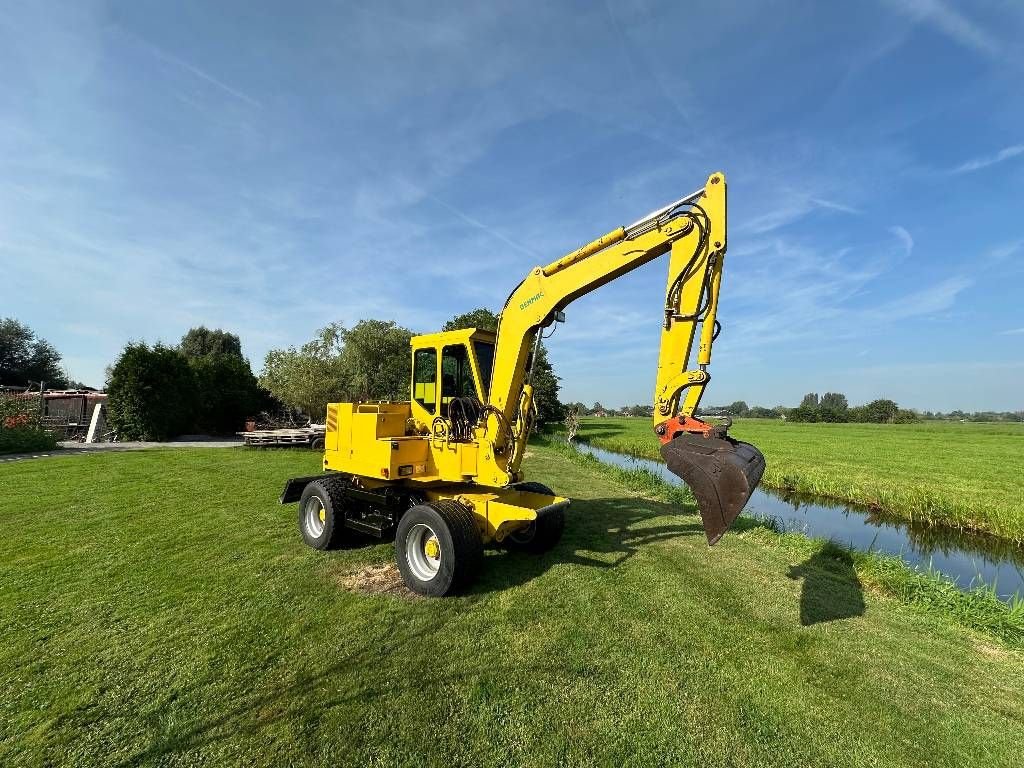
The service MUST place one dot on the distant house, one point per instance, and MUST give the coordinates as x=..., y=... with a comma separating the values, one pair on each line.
x=65, y=412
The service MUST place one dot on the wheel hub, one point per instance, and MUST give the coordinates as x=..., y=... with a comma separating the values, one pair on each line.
x=315, y=517
x=423, y=551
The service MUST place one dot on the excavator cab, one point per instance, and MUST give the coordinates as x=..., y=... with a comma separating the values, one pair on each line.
x=448, y=366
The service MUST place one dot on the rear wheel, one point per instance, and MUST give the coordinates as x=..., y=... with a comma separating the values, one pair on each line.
x=322, y=513
x=439, y=548
x=542, y=534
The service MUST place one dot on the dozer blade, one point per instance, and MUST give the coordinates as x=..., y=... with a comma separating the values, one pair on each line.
x=721, y=472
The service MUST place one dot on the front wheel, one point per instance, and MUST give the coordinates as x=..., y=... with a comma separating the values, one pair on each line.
x=322, y=514
x=439, y=548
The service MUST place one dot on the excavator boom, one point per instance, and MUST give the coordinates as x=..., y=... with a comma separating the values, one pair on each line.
x=721, y=472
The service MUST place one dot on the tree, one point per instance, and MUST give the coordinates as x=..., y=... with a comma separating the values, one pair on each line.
x=202, y=342
x=227, y=393
x=151, y=393
x=481, y=318
x=833, y=407
x=27, y=359
x=376, y=360
x=309, y=377
x=597, y=408
x=545, y=389
x=880, y=411
x=810, y=400
x=835, y=400
x=580, y=408
x=906, y=416
x=803, y=413
x=572, y=421
x=739, y=408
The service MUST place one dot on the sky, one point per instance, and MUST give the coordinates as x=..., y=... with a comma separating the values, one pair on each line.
x=269, y=168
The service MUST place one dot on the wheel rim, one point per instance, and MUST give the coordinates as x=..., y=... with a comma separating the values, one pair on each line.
x=314, y=517
x=423, y=551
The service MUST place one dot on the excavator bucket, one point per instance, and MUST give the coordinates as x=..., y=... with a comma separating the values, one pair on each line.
x=721, y=472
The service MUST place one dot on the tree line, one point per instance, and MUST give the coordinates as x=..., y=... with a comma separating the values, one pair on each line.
x=204, y=384
x=829, y=407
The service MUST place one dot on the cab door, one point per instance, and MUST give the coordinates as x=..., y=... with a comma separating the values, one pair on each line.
x=425, y=370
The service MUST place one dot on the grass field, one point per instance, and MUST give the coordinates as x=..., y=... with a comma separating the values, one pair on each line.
x=965, y=475
x=159, y=608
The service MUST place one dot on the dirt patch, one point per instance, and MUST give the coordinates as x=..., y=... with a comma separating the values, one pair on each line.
x=376, y=580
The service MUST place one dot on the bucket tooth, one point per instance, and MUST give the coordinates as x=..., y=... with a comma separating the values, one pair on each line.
x=721, y=472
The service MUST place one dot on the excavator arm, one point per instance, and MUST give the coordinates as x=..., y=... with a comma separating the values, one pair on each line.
x=722, y=472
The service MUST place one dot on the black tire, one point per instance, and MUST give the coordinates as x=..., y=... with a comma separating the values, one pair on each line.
x=449, y=527
x=317, y=444
x=326, y=496
x=541, y=535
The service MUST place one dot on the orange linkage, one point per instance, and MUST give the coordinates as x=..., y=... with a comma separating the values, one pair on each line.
x=672, y=428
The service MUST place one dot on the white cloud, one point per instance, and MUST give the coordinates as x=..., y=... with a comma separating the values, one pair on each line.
x=1012, y=332
x=791, y=211
x=950, y=22
x=1001, y=156
x=904, y=237
x=1006, y=250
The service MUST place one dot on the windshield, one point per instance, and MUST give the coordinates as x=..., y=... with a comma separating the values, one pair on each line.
x=484, y=351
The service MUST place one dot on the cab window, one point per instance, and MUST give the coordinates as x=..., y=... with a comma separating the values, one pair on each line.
x=456, y=374
x=424, y=379
x=485, y=362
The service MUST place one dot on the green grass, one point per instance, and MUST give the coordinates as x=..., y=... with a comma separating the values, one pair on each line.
x=159, y=608
x=967, y=476
x=977, y=608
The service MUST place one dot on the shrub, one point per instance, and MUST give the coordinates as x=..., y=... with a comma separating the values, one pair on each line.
x=151, y=393
x=18, y=426
x=227, y=393
x=25, y=439
x=803, y=413
x=880, y=411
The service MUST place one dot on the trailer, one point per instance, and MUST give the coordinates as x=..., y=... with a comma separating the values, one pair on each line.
x=311, y=437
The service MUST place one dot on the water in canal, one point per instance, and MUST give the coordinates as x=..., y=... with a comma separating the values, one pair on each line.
x=970, y=560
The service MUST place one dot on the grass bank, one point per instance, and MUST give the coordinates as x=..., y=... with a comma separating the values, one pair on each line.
x=978, y=608
x=963, y=475
x=158, y=607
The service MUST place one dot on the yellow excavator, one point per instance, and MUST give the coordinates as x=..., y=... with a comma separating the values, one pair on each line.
x=442, y=473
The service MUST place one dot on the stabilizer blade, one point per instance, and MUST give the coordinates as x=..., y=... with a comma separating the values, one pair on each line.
x=721, y=472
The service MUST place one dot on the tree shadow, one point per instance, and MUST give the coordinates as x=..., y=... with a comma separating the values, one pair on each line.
x=831, y=589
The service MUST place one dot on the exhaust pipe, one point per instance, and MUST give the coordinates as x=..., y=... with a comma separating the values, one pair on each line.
x=721, y=472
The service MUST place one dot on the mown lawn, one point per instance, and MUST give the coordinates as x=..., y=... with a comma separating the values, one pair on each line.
x=964, y=475
x=159, y=608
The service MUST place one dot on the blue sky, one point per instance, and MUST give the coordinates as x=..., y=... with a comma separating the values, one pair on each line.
x=269, y=168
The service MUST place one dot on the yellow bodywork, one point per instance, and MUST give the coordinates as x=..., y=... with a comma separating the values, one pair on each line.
x=418, y=445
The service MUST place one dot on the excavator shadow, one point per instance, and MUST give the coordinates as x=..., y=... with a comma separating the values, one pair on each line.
x=831, y=589
x=599, y=533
